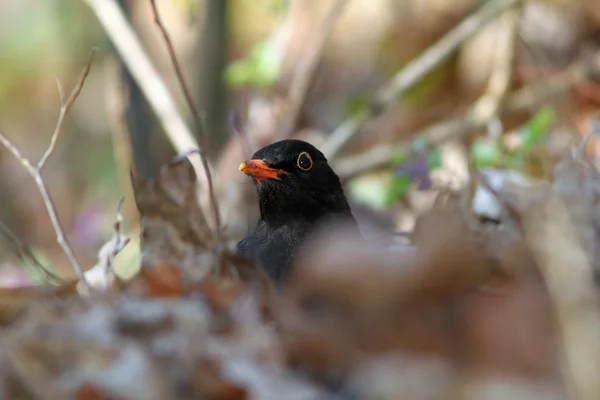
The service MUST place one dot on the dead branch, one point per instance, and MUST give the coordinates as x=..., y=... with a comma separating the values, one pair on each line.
x=387, y=96
x=526, y=98
x=306, y=69
x=35, y=172
x=197, y=122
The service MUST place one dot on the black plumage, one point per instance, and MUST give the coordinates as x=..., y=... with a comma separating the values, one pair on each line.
x=298, y=192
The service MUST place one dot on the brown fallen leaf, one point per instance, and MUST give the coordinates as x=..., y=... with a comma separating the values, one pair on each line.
x=174, y=229
x=89, y=392
x=164, y=279
x=509, y=331
x=450, y=256
x=178, y=249
x=348, y=298
x=209, y=383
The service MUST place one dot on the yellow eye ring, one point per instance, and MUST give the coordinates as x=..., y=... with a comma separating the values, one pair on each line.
x=304, y=161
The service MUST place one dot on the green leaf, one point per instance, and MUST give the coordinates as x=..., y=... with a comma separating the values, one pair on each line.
x=239, y=73
x=486, y=154
x=399, y=187
x=536, y=130
x=267, y=63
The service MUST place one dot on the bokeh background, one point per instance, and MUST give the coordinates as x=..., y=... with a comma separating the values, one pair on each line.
x=240, y=56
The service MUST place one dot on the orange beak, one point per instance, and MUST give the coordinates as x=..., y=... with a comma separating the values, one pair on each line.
x=260, y=170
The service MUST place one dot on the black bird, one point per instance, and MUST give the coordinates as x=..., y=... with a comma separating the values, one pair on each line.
x=297, y=192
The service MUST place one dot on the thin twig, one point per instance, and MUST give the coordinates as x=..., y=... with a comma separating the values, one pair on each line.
x=306, y=69
x=524, y=99
x=26, y=254
x=387, y=96
x=50, y=208
x=35, y=172
x=201, y=136
x=64, y=109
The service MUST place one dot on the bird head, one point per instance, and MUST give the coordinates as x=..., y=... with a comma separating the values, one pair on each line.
x=293, y=179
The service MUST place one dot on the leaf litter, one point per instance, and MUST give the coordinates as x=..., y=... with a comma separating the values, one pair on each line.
x=470, y=309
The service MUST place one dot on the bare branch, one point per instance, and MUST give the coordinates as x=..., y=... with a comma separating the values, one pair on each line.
x=389, y=94
x=64, y=109
x=17, y=154
x=61, y=94
x=524, y=99
x=35, y=172
x=61, y=238
x=305, y=70
x=197, y=121
x=26, y=254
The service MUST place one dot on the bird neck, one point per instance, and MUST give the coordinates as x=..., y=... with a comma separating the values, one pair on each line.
x=277, y=213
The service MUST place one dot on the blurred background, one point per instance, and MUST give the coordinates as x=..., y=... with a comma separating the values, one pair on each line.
x=242, y=57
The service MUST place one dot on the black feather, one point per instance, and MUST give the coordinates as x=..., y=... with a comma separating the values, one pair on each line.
x=293, y=206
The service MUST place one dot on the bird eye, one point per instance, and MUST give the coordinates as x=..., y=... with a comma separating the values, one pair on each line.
x=304, y=161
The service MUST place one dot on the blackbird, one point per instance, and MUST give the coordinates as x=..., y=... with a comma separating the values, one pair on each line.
x=298, y=192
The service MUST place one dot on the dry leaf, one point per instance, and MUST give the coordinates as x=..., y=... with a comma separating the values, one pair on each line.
x=174, y=229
